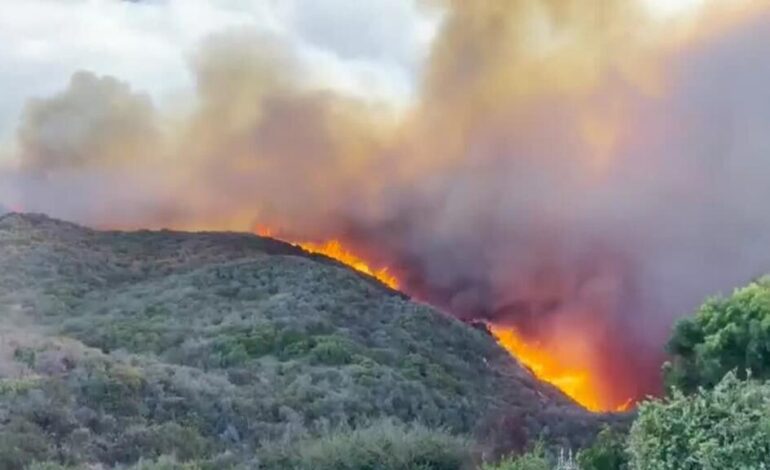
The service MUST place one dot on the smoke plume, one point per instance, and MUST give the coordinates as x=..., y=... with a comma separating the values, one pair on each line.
x=577, y=170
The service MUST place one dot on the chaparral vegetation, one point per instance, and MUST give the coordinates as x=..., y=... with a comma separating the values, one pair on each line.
x=165, y=350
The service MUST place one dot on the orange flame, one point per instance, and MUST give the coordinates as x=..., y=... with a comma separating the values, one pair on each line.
x=566, y=367
x=334, y=249
x=569, y=374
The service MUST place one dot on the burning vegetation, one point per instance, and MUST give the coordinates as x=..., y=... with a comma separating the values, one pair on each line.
x=565, y=366
x=334, y=249
x=562, y=172
x=565, y=360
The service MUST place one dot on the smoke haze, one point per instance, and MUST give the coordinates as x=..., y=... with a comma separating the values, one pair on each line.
x=579, y=170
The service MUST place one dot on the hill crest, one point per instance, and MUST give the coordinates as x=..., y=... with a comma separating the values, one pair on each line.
x=297, y=342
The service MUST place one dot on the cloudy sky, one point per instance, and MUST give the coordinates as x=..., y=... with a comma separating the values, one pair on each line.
x=371, y=48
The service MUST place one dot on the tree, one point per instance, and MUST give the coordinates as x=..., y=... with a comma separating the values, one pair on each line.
x=535, y=459
x=384, y=445
x=725, y=334
x=726, y=427
x=608, y=452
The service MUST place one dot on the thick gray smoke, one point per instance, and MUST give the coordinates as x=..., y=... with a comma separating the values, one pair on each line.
x=82, y=126
x=596, y=182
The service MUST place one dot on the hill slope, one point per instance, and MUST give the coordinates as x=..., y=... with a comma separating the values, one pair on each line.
x=116, y=346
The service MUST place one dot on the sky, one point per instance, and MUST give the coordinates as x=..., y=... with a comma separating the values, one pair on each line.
x=371, y=48
x=374, y=49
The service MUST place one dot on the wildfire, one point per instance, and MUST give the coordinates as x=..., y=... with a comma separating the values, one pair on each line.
x=334, y=249
x=565, y=367
x=575, y=380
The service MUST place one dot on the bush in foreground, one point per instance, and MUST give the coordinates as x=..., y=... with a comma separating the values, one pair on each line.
x=608, y=452
x=725, y=334
x=384, y=445
x=727, y=427
x=535, y=459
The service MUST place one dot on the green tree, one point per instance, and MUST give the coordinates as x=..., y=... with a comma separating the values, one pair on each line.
x=48, y=466
x=725, y=334
x=165, y=463
x=608, y=452
x=385, y=445
x=535, y=459
x=726, y=427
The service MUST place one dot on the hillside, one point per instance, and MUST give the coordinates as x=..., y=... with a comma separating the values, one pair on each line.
x=118, y=346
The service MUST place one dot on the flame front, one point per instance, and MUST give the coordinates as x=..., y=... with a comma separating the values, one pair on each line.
x=567, y=367
x=335, y=250
x=563, y=369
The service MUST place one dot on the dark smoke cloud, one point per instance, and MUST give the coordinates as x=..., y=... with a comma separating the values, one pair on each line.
x=573, y=171
x=536, y=223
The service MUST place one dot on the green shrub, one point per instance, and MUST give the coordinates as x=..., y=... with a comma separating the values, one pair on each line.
x=116, y=390
x=384, y=445
x=238, y=341
x=165, y=463
x=48, y=466
x=229, y=352
x=260, y=341
x=332, y=351
x=25, y=356
x=725, y=334
x=292, y=344
x=608, y=452
x=22, y=443
x=234, y=346
x=727, y=427
x=535, y=459
x=154, y=441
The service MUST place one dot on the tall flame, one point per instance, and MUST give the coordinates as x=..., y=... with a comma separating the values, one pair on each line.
x=571, y=375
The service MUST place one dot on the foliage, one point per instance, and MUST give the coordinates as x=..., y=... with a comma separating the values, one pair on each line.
x=165, y=463
x=384, y=445
x=48, y=466
x=608, y=452
x=726, y=427
x=128, y=347
x=725, y=334
x=534, y=459
x=21, y=442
